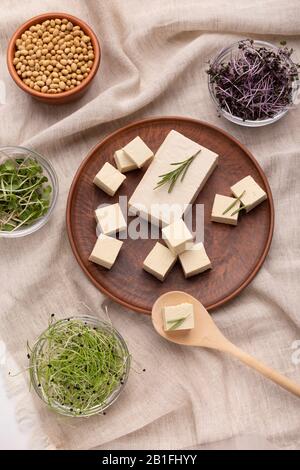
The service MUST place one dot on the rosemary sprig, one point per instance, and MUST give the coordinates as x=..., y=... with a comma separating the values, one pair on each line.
x=238, y=199
x=171, y=177
x=177, y=323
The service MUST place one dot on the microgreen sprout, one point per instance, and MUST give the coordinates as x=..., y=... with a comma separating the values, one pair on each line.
x=178, y=322
x=238, y=199
x=256, y=83
x=25, y=195
x=241, y=208
x=78, y=366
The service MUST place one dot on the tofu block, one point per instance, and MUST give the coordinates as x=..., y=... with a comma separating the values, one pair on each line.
x=109, y=179
x=178, y=317
x=254, y=194
x=138, y=152
x=160, y=261
x=110, y=219
x=177, y=236
x=158, y=206
x=123, y=162
x=195, y=260
x=221, y=203
x=105, y=251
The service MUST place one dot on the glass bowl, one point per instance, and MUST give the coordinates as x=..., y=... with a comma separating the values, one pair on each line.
x=39, y=349
x=22, y=152
x=224, y=56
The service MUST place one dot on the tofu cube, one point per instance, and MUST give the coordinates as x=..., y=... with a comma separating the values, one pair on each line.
x=138, y=152
x=160, y=261
x=195, y=260
x=178, y=317
x=177, y=236
x=105, y=251
x=123, y=162
x=109, y=179
x=254, y=194
x=221, y=203
x=110, y=219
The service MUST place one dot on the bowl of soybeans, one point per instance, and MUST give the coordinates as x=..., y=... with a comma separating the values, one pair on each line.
x=54, y=57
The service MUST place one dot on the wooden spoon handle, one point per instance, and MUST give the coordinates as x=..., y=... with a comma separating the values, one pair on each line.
x=271, y=374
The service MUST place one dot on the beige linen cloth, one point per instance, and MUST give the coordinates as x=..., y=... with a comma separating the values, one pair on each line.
x=153, y=63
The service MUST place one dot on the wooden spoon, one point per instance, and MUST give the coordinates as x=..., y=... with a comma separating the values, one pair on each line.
x=207, y=334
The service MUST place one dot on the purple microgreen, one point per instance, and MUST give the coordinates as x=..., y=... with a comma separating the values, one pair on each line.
x=256, y=82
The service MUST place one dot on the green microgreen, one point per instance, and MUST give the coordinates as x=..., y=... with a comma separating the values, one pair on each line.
x=176, y=323
x=78, y=366
x=238, y=210
x=238, y=199
x=171, y=177
x=25, y=195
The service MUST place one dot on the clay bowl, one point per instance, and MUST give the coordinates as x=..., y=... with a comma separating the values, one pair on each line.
x=66, y=96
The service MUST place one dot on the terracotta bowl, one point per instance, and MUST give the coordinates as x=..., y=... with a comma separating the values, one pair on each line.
x=66, y=96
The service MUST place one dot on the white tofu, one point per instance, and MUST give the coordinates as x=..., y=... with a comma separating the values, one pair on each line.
x=158, y=206
x=138, y=152
x=178, y=317
x=177, y=236
x=221, y=203
x=105, y=251
x=160, y=261
x=110, y=219
x=109, y=179
x=123, y=162
x=195, y=260
x=254, y=194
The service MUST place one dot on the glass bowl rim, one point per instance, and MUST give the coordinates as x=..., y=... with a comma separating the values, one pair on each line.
x=63, y=410
x=232, y=117
x=55, y=190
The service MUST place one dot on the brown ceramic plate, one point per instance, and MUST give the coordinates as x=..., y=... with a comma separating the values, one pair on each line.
x=66, y=96
x=237, y=253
